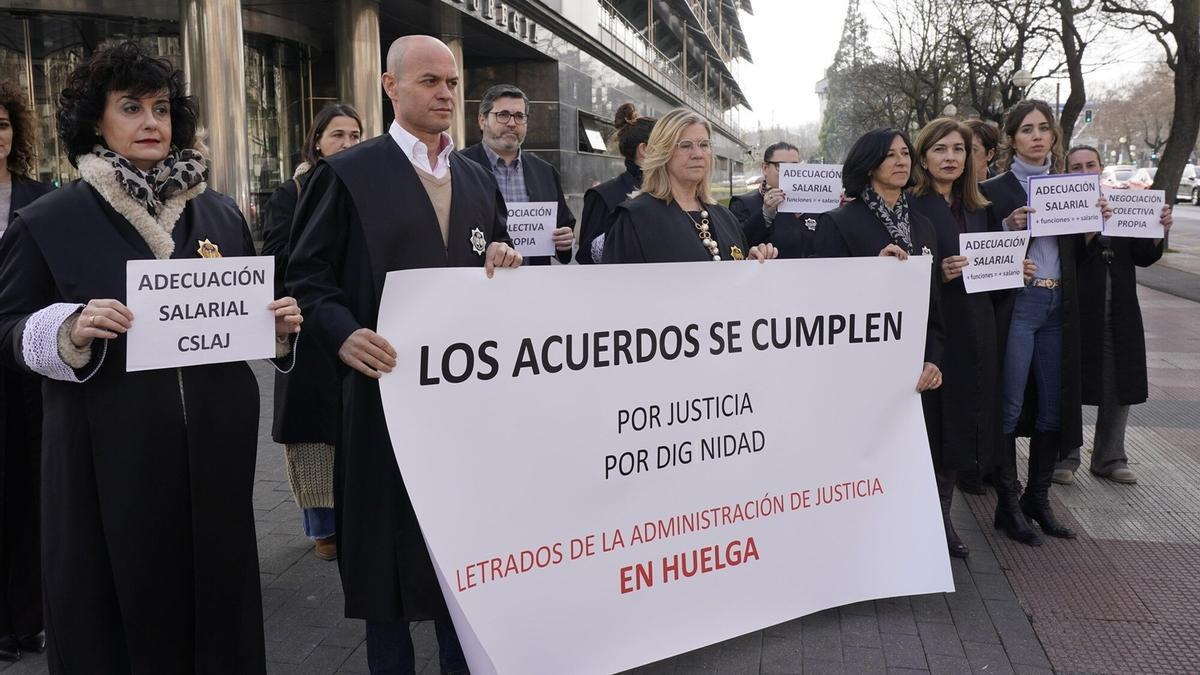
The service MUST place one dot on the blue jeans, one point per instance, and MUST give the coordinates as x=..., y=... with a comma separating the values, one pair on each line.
x=390, y=648
x=319, y=523
x=1034, y=339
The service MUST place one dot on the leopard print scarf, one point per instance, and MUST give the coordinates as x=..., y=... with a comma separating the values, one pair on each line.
x=179, y=171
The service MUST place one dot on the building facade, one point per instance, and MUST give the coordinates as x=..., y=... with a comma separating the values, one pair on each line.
x=260, y=69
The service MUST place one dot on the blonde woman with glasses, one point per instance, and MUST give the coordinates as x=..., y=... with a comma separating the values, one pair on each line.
x=674, y=218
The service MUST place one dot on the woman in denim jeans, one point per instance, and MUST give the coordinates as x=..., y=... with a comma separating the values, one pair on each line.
x=1038, y=332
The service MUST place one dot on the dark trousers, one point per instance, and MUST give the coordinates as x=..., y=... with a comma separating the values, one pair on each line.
x=20, y=453
x=390, y=648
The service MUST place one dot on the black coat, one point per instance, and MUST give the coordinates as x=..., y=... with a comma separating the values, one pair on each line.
x=968, y=410
x=20, y=455
x=853, y=231
x=150, y=560
x=307, y=399
x=1129, y=337
x=599, y=205
x=1006, y=195
x=792, y=233
x=543, y=184
x=647, y=229
x=364, y=214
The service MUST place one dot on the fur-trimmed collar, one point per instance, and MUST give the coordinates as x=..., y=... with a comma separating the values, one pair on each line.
x=155, y=231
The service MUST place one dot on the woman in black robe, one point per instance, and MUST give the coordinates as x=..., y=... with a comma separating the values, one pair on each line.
x=876, y=221
x=20, y=416
x=148, y=546
x=676, y=218
x=601, y=201
x=967, y=410
x=308, y=400
x=1038, y=332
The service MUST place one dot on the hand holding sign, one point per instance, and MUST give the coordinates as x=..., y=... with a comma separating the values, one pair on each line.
x=104, y=319
x=991, y=260
x=1136, y=213
x=1065, y=204
x=532, y=226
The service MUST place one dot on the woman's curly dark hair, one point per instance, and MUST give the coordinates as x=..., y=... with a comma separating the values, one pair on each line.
x=24, y=128
x=128, y=68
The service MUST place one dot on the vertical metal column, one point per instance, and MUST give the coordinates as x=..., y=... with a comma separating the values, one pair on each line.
x=450, y=31
x=215, y=68
x=359, y=61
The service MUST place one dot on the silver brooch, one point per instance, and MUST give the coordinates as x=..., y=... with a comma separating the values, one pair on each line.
x=810, y=223
x=925, y=250
x=478, y=243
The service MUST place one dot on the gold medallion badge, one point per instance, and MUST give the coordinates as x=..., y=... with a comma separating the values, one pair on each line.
x=736, y=253
x=208, y=249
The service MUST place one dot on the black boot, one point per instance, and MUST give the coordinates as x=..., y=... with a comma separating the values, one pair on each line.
x=945, y=487
x=970, y=481
x=1008, y=511
x=1035, y=503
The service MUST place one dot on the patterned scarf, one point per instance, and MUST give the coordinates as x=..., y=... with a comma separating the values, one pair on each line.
x=179, y=171
x=895, y=219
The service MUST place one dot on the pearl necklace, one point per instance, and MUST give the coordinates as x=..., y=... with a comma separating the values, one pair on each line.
x=714, y=249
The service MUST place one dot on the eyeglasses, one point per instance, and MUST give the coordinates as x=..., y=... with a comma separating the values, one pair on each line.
x=687, y=145
x=773, y=162
x=504, y=117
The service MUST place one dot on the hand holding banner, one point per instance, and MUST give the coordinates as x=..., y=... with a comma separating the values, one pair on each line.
x=732, y=459
x=1065, y=204
x=1136, y=213
x=531, y=226
x=995, y=260
x=810, y=188
x=194, y=311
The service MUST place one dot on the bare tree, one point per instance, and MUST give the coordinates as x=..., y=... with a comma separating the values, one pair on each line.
x=1180, y=40
x=1070, y=14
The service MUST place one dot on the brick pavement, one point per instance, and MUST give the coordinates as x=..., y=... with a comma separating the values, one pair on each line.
x=1125, y=597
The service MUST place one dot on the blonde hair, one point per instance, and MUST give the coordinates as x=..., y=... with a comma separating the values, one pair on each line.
x=661, y=147
x=967, y=184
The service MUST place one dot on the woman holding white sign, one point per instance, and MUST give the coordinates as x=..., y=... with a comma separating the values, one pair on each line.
x=1038, y=331
x=675, y=217
x=149, y=553
x=1113, y=339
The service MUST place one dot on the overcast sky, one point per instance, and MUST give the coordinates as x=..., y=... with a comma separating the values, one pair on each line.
x=793, y=42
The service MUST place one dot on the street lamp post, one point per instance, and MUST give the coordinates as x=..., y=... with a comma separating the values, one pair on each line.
x=1021, y=80
x=950, y=110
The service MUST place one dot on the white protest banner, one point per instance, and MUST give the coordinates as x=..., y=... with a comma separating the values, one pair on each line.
x=1064, y=204
x=613, y=482
x=995, y=260
x=810, y=188
x=1135, y=213
x=531, y=226
x=199, y=310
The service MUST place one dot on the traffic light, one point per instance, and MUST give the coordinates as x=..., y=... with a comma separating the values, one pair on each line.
x=1087, y=116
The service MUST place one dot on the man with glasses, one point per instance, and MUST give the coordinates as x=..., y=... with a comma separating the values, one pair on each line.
x=758, y=211
x=504, y=121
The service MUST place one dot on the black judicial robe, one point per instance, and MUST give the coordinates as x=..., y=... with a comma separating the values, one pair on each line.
x=149, y=556
x=646, y=229
x=543, y=184
x=968, y=413
x=307, y=399
x=1129, y=336
x=1006, y=195
x=599, y=205
x=792, y=233
x=365, y=213
x=853, y=230
x=20, y=453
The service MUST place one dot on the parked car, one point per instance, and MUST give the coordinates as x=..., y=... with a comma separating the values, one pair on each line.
x=1189, y=187
x=1143, y=178
x=1117, y=176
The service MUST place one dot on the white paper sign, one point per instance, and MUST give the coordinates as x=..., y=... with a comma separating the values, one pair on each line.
x=723, y=459
x=1135, y=213
x=531, y=226
x=1065, y=204
x=995, y=260
x=199, y=310
x=810, y=188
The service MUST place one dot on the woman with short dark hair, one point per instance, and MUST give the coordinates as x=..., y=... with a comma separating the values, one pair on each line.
x=20, y=415
x=876, y=221
x=307, y=400
x=149, y=552
x=600, y=202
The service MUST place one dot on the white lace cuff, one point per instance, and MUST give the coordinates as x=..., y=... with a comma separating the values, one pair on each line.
x=598, y=248
x=42, y=345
